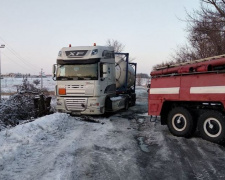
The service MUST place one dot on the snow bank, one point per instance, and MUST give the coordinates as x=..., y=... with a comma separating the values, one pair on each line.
x=59, y=146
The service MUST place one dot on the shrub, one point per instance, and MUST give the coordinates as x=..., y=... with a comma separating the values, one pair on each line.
x=28, y=103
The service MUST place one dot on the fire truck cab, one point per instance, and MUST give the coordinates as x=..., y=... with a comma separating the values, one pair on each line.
x=190, y=96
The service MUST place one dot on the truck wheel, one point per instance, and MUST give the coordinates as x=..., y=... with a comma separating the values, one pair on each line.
x=211, y=125
x=133, y=102
x=180, y=122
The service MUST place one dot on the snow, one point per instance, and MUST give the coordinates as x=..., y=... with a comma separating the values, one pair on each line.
x=125, y=145
x=143, y=82
x=141, y=91
x=52, y=146
x=116, y=98
x=9, y=84
x=5, y=96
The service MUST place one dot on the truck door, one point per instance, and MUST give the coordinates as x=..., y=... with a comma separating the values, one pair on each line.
x=108, y=78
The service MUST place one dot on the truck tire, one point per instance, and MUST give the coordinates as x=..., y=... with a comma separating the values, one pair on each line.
x=133, y=102
x=211, y=125
x=180, y=122
x=133, y=99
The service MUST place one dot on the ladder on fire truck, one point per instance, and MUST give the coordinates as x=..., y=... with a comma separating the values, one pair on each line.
x=191, y=62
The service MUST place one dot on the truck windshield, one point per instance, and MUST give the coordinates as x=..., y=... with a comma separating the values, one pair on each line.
x=77, y=72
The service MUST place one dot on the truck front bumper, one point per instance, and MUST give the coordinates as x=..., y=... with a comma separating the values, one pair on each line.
x=79, y=106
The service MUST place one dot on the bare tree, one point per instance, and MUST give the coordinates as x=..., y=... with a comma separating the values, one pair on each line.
x=118, y=46
x=206, y=33
x=139, y=80
x=219, y=5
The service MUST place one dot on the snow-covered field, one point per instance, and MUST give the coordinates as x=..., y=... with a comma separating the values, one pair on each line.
x=9, y=84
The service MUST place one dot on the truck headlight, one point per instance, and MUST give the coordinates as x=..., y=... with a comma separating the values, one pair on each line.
x=59, y=103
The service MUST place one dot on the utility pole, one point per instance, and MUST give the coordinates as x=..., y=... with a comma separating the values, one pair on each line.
x=41, y=79
x=2, y=46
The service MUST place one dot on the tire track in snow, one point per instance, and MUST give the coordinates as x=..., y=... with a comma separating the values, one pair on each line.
x=115, y=159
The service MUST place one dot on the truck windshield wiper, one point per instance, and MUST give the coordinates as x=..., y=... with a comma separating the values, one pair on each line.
x=90, y=78
x=64, y=78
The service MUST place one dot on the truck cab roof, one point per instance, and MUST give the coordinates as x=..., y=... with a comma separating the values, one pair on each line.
x=86, y=52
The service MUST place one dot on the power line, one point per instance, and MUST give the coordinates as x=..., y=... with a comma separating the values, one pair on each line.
x=16, y=62
x=19, y=57
x=27, y=63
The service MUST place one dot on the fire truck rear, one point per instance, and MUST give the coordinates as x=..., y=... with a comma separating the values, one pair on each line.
x=191, y=96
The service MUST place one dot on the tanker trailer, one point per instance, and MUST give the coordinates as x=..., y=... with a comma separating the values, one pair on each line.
x=90, y=81
x=125, y=74
x=121, y=71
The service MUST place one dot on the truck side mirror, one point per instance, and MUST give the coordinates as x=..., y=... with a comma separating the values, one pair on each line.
x=103, y=71
x=54, y=72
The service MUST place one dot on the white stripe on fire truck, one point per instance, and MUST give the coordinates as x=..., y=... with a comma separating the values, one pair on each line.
x=207, y=90
x=172, y=90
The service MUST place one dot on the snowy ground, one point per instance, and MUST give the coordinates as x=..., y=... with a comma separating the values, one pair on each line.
x=125, y=145
x=62, y=147
x=165, y=156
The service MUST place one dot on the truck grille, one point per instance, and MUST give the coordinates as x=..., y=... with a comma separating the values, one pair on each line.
x=76, y=104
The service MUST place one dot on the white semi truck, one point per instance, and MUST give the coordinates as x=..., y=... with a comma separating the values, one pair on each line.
x=93, y=80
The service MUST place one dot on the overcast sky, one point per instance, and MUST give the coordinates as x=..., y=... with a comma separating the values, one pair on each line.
x=35, y=30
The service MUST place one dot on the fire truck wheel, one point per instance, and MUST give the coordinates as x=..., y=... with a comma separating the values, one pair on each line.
x=180, y=122
x=211, y=125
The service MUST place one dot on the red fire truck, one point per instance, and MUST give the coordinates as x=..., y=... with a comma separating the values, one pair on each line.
x=191, y=95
